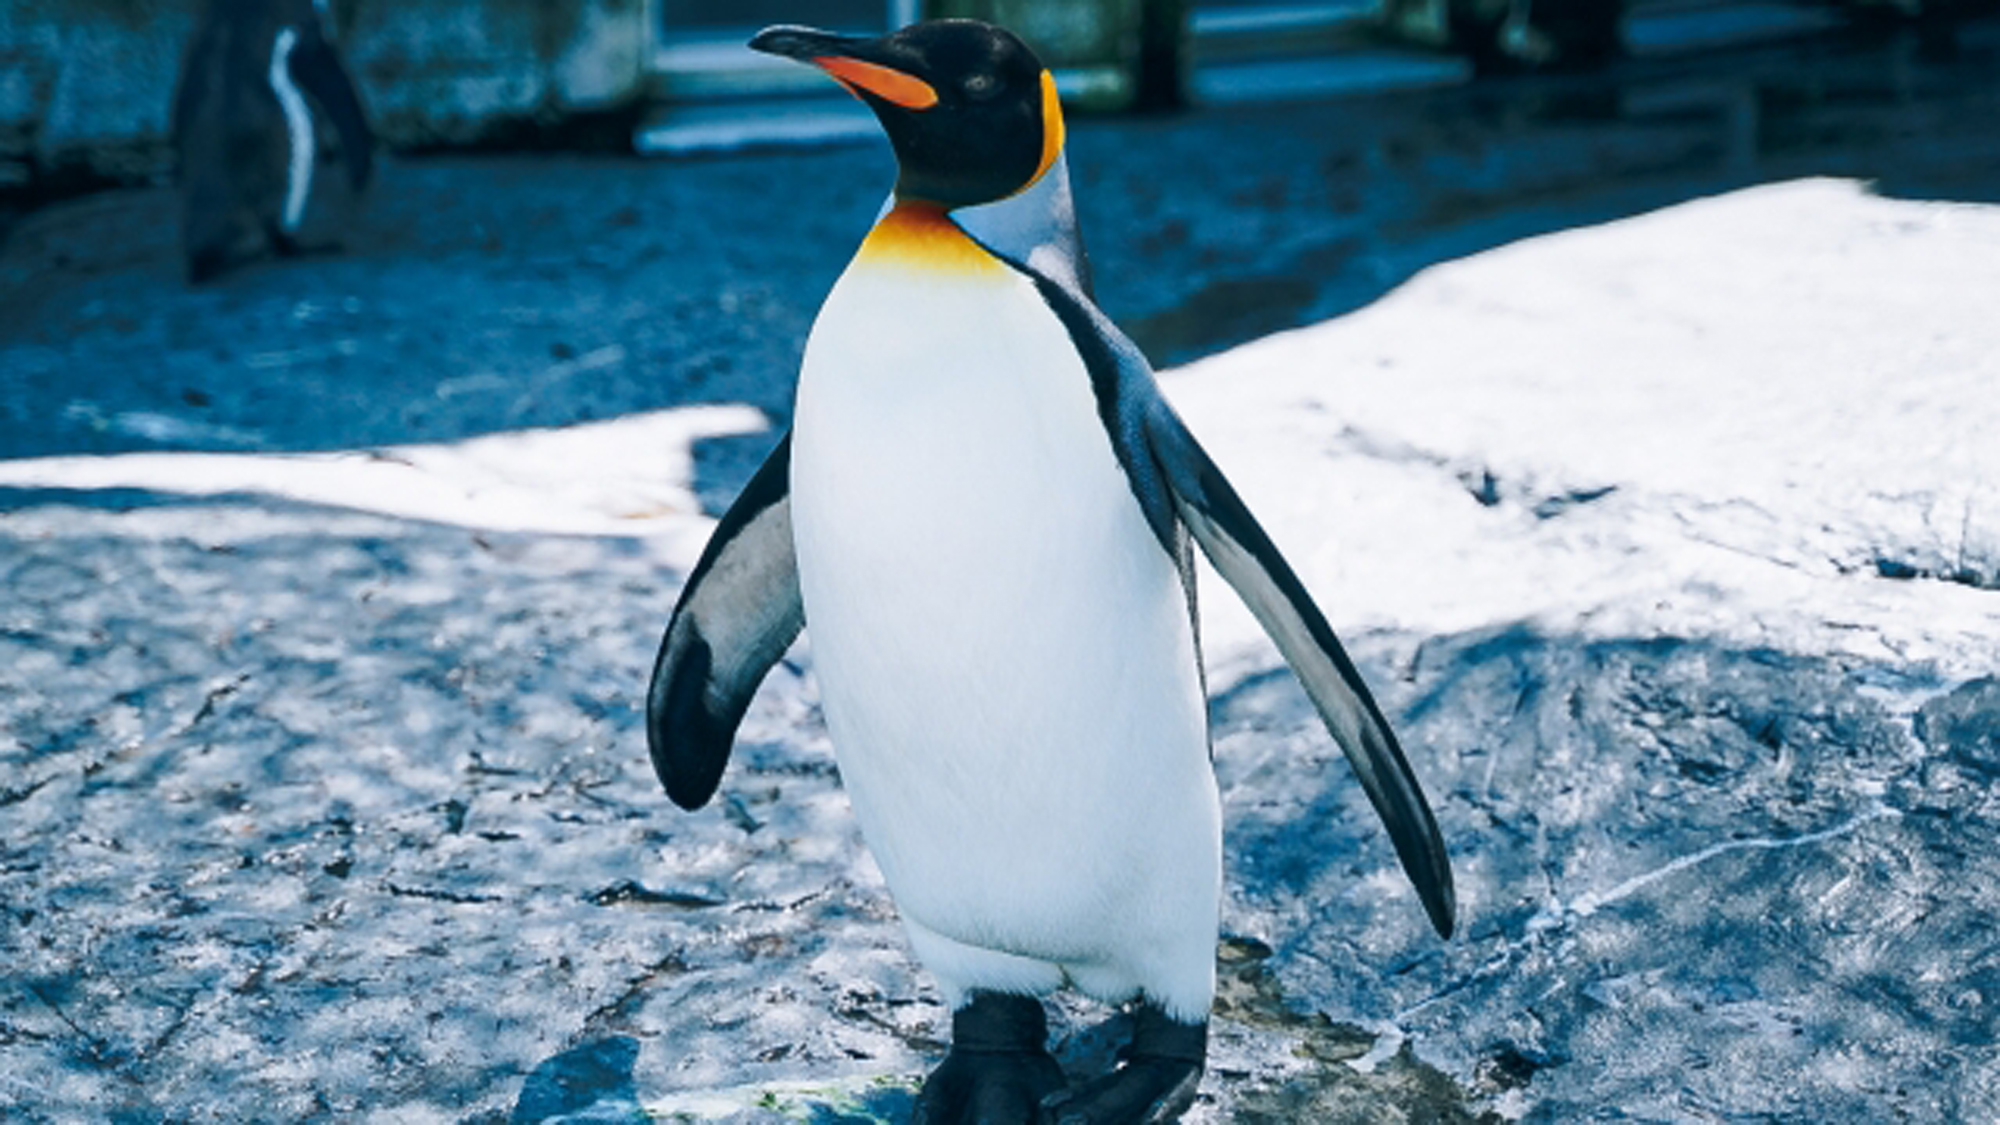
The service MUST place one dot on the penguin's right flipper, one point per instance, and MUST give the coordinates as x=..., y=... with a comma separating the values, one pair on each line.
x=1244, y=555
x=316, y=67
x=739, y=611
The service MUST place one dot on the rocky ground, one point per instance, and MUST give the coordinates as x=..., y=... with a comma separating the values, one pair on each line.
x=1667, y=544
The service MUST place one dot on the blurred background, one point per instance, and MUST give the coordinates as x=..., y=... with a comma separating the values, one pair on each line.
x=575, y=189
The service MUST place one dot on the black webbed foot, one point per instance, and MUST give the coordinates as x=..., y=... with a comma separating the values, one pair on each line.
x=999, y=1069
x=1154, y=1084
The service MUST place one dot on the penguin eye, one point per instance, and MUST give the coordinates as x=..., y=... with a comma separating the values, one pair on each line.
x=982, y=86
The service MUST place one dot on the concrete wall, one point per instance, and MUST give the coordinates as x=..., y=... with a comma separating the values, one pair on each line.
x=86, y=85
x=455, y=71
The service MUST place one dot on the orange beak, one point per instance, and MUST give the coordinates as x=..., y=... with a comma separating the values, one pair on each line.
x=892, y=86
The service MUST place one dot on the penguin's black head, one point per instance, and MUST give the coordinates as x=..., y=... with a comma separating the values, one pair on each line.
x=971, y=112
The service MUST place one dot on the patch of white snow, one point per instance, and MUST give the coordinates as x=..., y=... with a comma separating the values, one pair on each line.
x=1730, y=418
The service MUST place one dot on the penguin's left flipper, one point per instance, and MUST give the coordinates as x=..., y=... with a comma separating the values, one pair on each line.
x=1245, y=556
x=737, y=614
x=316, y=67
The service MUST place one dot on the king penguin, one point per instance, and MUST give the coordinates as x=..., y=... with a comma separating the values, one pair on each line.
x=244, y=131
x=985, y=510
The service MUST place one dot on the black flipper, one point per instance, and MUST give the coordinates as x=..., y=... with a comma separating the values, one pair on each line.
x=316, y=68
x=1177, y=487
x=737, y=614
x=1244, y=555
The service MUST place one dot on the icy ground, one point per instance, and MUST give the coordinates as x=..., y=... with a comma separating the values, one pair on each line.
x=1671, y=546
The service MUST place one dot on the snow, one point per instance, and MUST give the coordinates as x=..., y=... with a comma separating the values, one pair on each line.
x=1771, y=395
x=628, y=476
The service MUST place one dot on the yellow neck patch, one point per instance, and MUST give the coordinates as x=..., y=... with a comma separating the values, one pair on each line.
x=1052, y=125
x=920, y=234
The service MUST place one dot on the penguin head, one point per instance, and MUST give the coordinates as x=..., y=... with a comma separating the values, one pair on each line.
x=969, y=110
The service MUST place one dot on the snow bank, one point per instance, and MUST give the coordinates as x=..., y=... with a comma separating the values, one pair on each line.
x=1730, y=418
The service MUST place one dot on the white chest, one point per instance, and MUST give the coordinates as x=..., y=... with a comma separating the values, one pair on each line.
x=1002, y=644
x=945, y=421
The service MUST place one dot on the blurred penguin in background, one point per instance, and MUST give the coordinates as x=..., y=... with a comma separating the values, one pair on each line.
x=258, y=78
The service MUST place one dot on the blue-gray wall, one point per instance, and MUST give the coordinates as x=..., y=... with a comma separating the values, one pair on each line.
x=86, y=85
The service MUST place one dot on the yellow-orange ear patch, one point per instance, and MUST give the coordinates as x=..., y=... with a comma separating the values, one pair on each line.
x=922, y=235
x=1052, y=125
x=887, y=83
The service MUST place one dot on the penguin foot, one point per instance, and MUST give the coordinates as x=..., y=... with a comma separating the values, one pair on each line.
x=999, y=1069
x=1154, y=1084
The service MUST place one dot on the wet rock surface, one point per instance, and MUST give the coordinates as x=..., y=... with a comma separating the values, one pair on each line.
x=335, y=815
x=1704, y=881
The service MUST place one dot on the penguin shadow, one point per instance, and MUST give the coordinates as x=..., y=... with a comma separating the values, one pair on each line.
x=590, y=1082
x=1295, y=821
x=889, y=1106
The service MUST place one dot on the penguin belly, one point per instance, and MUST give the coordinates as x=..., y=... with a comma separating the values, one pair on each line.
x=1003, y=646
